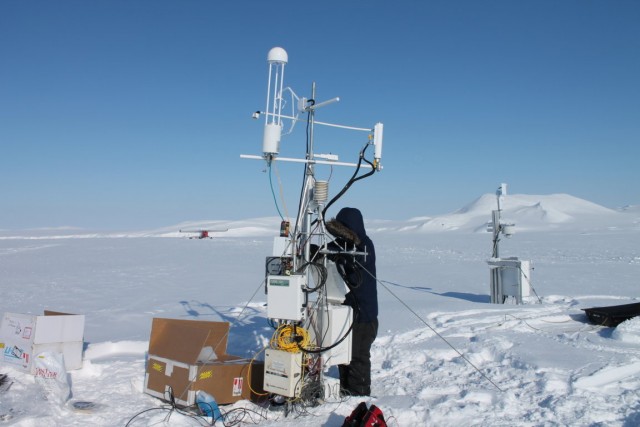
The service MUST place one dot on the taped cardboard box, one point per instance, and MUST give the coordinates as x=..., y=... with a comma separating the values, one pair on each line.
x=24, y=336
x=188, y=355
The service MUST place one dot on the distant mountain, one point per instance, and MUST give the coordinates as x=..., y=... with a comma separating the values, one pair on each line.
x=528, y=212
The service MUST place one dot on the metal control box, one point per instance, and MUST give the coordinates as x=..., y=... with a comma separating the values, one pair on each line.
x=285, y=297
x=282, y=247
x=282, y=372
x=509, y=277
x=330, y=325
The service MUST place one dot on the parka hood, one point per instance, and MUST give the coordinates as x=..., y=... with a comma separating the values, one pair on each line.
x=352, y=219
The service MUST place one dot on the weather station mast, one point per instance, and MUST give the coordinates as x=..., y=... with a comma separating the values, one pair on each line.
x=510, y=277
x=304, y=287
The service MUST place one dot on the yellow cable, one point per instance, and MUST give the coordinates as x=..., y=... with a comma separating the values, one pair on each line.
x=289, y=338
x=249, y=374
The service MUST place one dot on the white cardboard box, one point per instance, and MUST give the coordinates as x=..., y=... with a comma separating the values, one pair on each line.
x=24, y=336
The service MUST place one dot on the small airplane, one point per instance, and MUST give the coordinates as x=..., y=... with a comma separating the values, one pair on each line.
x=203, y=234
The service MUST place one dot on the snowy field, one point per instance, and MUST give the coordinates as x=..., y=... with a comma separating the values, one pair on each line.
x=444, y=355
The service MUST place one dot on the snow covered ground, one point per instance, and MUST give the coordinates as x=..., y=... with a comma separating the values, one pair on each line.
x=444, y=355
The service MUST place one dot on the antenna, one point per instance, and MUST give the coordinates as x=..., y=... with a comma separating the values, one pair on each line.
x=377, y=143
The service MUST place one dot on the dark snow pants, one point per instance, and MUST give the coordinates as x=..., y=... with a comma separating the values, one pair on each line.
x=355, y=378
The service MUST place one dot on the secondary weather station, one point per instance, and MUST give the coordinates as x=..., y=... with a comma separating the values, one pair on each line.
x=509, y=277
x=304, y=286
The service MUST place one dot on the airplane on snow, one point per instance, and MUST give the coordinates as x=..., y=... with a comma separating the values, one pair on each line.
x=203, y=234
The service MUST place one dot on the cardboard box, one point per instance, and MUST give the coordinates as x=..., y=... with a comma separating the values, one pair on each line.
x=178, y=363
x=24, y=336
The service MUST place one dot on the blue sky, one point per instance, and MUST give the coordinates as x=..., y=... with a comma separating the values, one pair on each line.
x=133, y=114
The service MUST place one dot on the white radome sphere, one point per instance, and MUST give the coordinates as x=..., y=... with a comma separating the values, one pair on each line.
x=278, y=54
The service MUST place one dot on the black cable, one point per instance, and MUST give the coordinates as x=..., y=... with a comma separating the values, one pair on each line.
x=144, y=412
x=172, y=398
x=170, y=410
x=238, y=415
x=495, y=244
x=352, y=180
x=352, y=282
x=356, y=315
x=345, y=188
x=322, y=273
x=323, y=349
x=228, y=419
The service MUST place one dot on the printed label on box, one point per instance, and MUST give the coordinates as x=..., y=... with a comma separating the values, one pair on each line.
x=15, y=354
x=237, y=386
x=206, y=374
x=13, y=325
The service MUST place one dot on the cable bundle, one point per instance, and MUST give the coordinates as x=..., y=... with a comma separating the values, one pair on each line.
x=290, y=338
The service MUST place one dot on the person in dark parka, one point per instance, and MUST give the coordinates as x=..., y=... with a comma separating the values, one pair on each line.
x=359, y=273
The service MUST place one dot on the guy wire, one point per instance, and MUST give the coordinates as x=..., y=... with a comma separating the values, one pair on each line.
x=530, y=284
x=433, y=330
x=238, y=318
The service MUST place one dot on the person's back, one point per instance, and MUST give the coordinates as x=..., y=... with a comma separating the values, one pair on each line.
x=364, y=297
x=355, y=378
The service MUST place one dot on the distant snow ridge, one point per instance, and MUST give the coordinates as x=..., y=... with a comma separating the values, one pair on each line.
x=528, y=212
